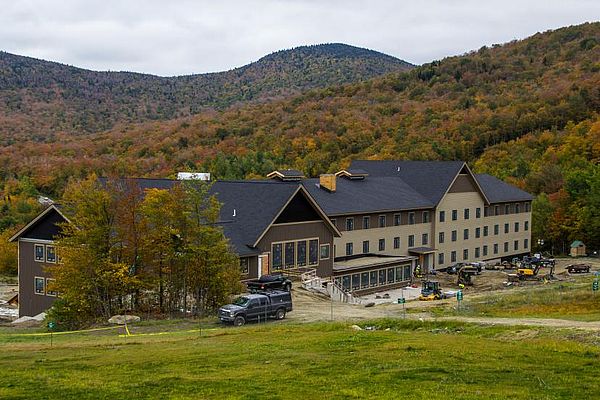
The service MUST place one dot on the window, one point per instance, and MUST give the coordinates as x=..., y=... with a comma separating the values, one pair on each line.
x=495, y=248
x=526, y=243
x=50, y=254
x=301, y=253
x=365, y=246
x=478, y=212
x=465, y=254
x=466, y=234
x=382, y=221
x=382, y=276
x=441, y=237
x=381, y=244
x=244, y=268
x=355, y=281
x=477, y=232
x=485, y=250
x=516, y=227
x=485, y=230
x=505, y=247
x=366, y=222
x=425, y=217
x=506, y=209
x=411, y=240
x=391, y=275
x=466, y=213
x=373, y=278
x=516, y=245
x=442, y=216
x=425, y=239
x=454, y=215
x=50, y=287
x=526, y=207
x=325, y=251
x=486, y=211
x=406, y=272
x=477, y=252
x=440, y=258
x=349, y=224
x=453, y=256
x=364, y=280
x=349, y=249
x=517, y=208
x=346, y=282
x=506, y=228
x=290, y=254
x=398, y=274
x=496, y=210
x=411, y=218
x=397, y=242
x=277, y=256
x=39, y=285
x=496, y=229
x=313, y=252
x=39, y=252
x=453, y=234
x=526, y=225
x=397, y=220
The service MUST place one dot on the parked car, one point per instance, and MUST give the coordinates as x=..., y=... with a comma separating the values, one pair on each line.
x=269, y=282
x=257, y=306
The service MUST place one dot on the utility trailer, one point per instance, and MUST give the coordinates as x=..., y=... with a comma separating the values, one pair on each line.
x=578, y=268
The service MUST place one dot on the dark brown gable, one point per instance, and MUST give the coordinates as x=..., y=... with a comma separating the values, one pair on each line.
x=299, y=209
x=463, y=183
x=46, y=228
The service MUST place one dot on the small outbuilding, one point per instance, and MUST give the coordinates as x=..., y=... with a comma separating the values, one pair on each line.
x=577, y=249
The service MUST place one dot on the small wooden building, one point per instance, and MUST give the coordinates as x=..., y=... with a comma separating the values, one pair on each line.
x=577, y=249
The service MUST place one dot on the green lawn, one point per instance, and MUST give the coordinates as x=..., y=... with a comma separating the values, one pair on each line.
x=574, y=301
x=413, y=360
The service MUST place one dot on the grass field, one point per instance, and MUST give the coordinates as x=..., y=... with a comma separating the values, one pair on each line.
x=574, y=301
x=413, y=360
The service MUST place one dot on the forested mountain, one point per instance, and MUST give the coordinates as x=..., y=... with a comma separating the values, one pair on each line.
x=495, y=107
x=38, y=97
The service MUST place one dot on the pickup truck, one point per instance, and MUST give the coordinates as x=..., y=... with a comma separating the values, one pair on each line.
x=578, y=268
x=257, y=306
x=269, y=282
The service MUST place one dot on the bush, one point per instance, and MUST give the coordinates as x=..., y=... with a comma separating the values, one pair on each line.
x=66, y=316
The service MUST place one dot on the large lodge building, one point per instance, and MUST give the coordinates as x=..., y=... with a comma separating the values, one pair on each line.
x=366, y=227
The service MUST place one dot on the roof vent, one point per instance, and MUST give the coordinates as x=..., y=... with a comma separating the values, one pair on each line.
x=328, y=182
x=354, y=174
x=191, y=176
x=286, y=175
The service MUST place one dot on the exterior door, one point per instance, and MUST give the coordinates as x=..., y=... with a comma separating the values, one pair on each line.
x=263, y=264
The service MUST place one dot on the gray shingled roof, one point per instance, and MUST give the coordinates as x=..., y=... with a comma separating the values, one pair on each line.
x=256, y=204
x=373, y=194
x=498, y=191
x=430, y=178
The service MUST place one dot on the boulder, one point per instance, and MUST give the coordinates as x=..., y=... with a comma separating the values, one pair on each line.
x=356, y=328
x=123, y=319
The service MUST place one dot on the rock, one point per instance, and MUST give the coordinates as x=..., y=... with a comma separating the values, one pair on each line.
x=122, y=319
x=387, y=329
x=356, y=328
x=370, y=304
x=386, y=296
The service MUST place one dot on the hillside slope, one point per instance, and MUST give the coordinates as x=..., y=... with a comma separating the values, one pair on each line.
x=38, y=96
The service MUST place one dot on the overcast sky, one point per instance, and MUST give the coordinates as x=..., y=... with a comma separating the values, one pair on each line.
x=174, y=37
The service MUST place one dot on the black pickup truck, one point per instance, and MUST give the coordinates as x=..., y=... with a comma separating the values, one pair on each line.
x=270, y=282
x=257, y=306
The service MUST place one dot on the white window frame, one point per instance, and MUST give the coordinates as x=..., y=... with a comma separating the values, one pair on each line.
x=35, y=278
x=48, y=292
x=321, y=246
x=35, y=258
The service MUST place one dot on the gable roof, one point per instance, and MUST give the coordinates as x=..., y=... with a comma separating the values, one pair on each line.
x=498, y=191
x=370, y=195
x=23, y=231
x=431, y=179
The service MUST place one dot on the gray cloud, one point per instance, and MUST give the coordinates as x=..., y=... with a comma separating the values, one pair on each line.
x=184, y=36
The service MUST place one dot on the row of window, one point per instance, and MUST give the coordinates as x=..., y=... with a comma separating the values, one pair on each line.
x=44, y=286
x=298, y=253
x=366, y=245
x=478, y=231
x=487, y=211
x=371, y=279
x=382, y=220
x=483, y=251
x=45, y=253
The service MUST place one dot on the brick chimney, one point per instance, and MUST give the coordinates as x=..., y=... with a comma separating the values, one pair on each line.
x=328, y=182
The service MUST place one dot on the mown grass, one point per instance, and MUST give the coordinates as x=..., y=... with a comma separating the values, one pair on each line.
x=574, y=301
x=413, y=360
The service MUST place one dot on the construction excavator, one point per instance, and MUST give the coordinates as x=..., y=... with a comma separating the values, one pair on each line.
x=465, y=275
